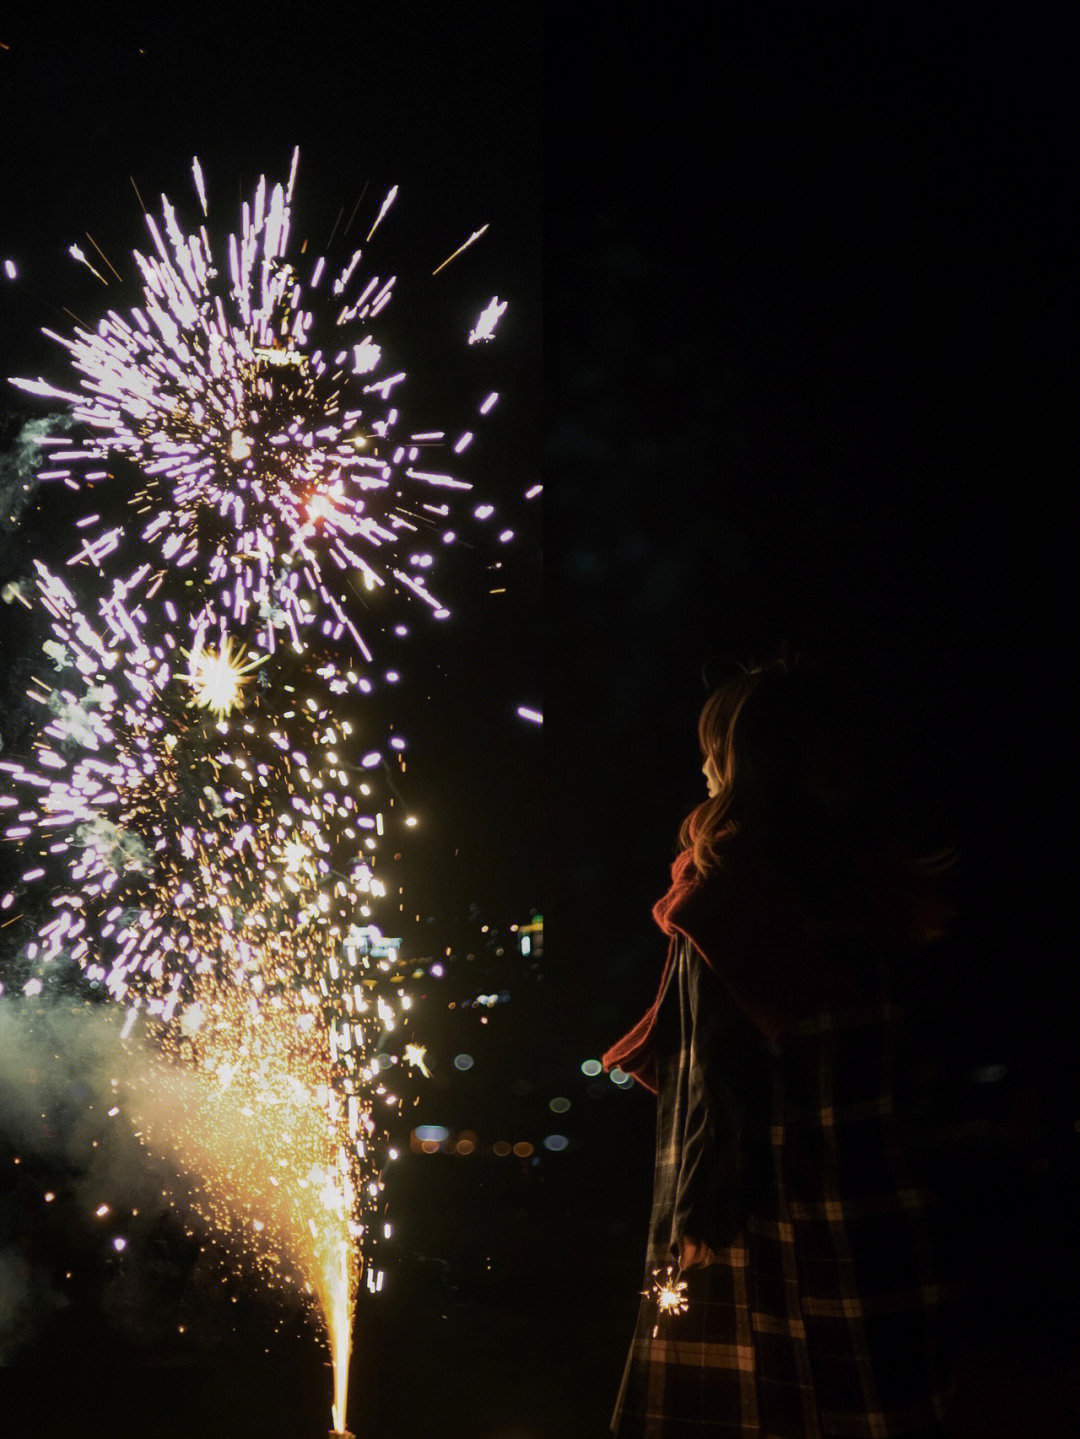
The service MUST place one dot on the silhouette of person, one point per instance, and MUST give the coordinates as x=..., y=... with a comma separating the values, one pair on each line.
x=796, y=1283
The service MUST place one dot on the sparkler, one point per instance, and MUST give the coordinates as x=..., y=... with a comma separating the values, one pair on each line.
x=208, y=836
x=669, y=1294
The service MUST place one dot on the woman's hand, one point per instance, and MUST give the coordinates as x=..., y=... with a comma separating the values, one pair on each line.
x=694, y=1254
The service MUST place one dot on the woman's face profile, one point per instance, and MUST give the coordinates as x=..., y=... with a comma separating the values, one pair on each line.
x=712, y=778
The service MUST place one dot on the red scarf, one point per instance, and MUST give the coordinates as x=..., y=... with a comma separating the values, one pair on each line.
x=748, y=927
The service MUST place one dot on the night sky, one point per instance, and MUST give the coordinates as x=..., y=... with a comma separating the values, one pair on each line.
x=799, y=303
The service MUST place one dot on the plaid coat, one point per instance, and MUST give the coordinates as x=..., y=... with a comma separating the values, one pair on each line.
x=828, y=1312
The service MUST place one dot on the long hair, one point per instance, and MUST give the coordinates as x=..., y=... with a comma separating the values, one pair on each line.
x=803, y=784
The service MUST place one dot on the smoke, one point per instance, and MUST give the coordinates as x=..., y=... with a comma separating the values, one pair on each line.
x=60, y=655
x=20, y=465
x=75, y=717
x=26, y=1298
x=66, y=1082
x=57, y=1067
x=240, y=1149
x=60, y=1064
x=16, y=590
x=117, y=849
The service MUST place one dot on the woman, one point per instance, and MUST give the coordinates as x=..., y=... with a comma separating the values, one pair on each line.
x=794, y=1278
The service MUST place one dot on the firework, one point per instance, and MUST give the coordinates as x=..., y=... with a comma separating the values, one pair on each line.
x=248, y=1106
x=264, y=444
x=205, y=798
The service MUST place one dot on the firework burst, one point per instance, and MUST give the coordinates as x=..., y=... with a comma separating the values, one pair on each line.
x=264, y=441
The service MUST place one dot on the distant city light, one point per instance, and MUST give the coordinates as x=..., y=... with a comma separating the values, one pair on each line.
x=560, y=1105
x=592, y=1067
x=9, y=269
x=618, y=1077
x=556, y=1141
x=463, y=1061
x=436, y=1132
x=534, y=715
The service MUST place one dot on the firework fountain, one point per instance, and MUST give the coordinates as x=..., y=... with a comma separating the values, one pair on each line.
x=206, y=794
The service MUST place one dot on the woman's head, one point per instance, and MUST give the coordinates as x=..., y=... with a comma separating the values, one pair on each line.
x=794, y=774
x=716, y=735
x=765, y=737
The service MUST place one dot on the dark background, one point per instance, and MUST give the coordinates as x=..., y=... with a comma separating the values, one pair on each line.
x=804, y=312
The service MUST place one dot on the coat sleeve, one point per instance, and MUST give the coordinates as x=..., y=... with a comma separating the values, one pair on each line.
x=635, y=1053
x=723, y=1111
